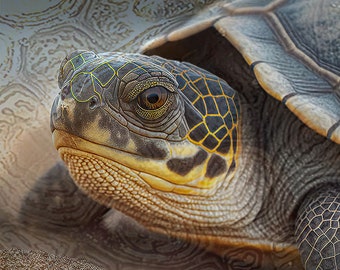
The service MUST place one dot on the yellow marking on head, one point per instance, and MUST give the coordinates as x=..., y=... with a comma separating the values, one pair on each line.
x=157, y=182
x=93, y=131
x=154, y=172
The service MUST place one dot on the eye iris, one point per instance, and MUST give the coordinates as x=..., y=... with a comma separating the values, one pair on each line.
x=152, y=98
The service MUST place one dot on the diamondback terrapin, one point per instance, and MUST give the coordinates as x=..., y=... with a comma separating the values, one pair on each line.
x=214, y=158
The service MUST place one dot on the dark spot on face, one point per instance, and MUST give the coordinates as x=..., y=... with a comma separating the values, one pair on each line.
x=148, y=148
x=77, y=124
x=182, y=166
x=216, y=166
x=119, y=134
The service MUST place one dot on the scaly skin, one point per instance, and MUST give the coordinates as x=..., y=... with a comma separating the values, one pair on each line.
x=146, y=161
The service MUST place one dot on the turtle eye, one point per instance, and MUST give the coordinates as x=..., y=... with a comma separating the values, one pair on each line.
x=152, y=98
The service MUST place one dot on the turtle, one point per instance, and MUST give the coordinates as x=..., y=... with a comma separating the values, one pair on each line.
x=224, y=131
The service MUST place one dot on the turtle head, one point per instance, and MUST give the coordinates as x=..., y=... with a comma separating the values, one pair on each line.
x=138, y=134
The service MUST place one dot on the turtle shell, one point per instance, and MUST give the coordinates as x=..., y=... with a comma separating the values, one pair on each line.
x=293, y=47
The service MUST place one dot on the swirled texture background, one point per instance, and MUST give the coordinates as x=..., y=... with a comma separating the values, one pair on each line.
x=43, y=216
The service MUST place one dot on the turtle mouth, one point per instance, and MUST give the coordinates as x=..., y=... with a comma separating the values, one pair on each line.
x=62, y=138
x=73, y=149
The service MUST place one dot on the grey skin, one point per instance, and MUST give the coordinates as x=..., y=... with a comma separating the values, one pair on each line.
x=299, y=168
x=287, y=173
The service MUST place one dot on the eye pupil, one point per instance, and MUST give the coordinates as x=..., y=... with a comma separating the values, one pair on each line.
x=153, y=98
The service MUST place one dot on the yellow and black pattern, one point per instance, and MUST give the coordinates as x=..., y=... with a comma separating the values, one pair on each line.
x=81, y=67
x=214, y=126
x=212, y=109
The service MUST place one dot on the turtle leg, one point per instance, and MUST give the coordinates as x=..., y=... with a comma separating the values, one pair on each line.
x=318, y=229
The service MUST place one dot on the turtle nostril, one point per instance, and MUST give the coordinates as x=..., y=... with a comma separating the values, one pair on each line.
x=93, y=102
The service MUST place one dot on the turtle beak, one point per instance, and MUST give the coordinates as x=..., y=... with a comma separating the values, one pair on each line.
x=62, y=116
